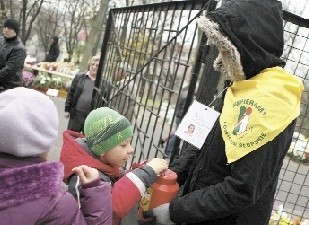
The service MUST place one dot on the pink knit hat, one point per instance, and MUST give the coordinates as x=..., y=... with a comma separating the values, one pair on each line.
x=28, y=122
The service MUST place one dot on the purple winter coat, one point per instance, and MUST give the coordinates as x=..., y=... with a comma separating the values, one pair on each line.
x=31, y=192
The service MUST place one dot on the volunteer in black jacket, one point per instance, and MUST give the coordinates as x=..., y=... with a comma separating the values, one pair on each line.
x=12, y=55
x=234, y=175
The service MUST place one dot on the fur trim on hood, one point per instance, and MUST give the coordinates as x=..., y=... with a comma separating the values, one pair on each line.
x=251, y=34
x=235, y=71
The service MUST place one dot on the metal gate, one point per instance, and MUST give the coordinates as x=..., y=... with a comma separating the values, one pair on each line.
x=293, y=188
x=156, y=47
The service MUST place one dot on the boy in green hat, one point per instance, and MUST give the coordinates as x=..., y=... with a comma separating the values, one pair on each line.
x=106, y=147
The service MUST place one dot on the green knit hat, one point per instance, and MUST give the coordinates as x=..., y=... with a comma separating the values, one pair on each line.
x=105, y=128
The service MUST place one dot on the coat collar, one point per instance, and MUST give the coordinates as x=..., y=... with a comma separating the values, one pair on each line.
x=30, y=182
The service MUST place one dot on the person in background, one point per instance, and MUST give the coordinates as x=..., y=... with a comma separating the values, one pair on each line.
x=31, y=188
x=106, y=147
x=53, y=52
x=12, y=55
x=232, y=179
x=78, y=103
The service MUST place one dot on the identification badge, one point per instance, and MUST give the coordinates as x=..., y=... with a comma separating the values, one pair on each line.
x=197, y=123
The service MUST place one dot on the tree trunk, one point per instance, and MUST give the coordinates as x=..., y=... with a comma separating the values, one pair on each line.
x=94, y=35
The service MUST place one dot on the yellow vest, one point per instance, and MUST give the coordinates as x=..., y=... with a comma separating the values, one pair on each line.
x=255, y=111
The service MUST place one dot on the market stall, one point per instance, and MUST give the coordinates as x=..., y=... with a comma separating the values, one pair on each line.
x=51, y=78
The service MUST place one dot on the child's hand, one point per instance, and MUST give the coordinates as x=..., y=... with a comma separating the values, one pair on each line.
x=86, y=174
x=158, y=165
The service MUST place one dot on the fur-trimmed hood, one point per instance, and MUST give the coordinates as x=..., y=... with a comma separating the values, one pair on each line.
x=251, y=31
x=27, y=183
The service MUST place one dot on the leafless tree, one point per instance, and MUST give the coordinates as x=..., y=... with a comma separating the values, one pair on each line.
x=95, y=34
x=28, y=14
x=2, y=11
x=50, y=15
x=25, y=11
x=73, y=22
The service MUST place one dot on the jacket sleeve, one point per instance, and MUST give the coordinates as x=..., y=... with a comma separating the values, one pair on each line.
x=14, y=63
x=69, y=99
x=128, y=190
x=96, y=204
x=181, y=164
x=96, y=207
x=250, y=177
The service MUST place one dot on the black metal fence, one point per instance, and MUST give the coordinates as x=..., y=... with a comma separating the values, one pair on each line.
x=293, y=187
x=157, y=47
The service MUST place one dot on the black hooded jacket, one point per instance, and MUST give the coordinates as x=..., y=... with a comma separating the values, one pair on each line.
x=12, y=58
x=240, y=193
x=255, y=28
x=53, y=50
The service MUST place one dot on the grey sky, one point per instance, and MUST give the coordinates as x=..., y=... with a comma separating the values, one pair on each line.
x=299, y=7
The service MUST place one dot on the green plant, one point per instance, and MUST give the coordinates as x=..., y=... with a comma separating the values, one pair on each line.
x=41, y=81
